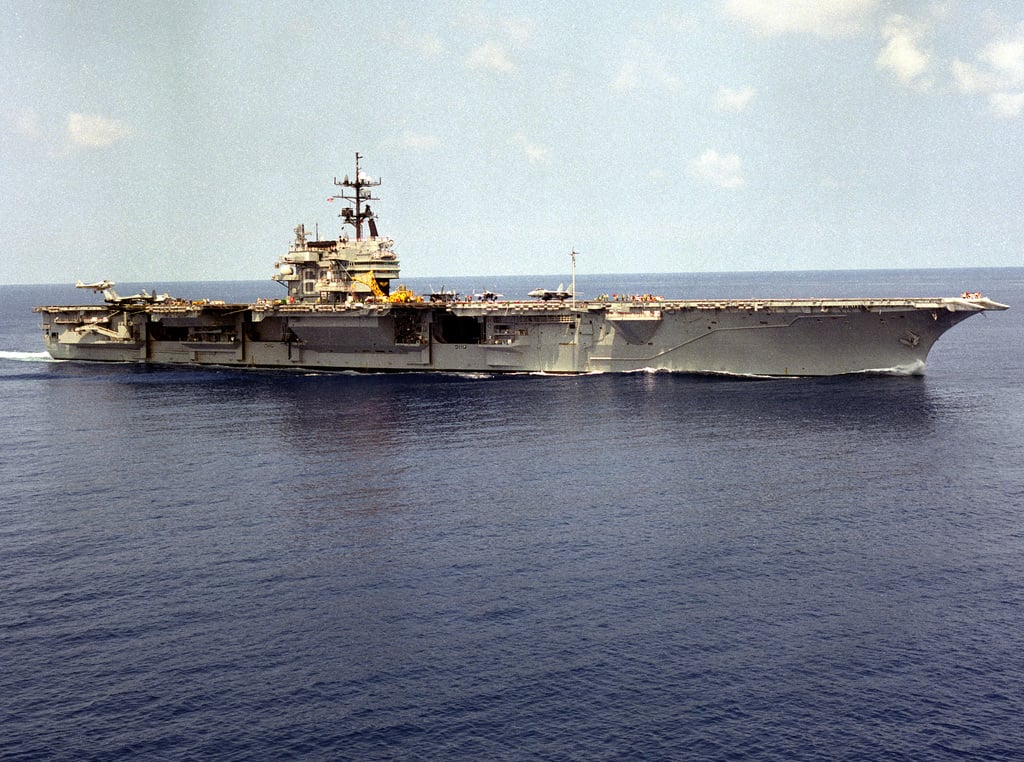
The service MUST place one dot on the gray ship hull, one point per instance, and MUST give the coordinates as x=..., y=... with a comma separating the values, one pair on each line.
x=812, y=337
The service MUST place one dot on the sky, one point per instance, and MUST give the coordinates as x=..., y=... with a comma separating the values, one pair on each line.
x=183, y=141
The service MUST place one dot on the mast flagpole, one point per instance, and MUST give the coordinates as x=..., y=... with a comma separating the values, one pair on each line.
x=573, y=253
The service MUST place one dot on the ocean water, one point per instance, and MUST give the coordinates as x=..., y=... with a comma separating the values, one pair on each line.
x=214, y=564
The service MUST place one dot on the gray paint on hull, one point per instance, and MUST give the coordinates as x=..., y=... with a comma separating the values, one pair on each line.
x=758, y=338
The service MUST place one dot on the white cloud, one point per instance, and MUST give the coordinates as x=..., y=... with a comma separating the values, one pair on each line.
x=477, y=20
x=506, y=36
x=424, y=44
x=26, y=124
x=1006, y=58
x=679, y=22
x=712, y=167
x=903, y=55
x=95, y=131
x=998, y=72
x=1000, y=66
x=490, y=55
x=643, y=70
x=970, y=79
x=735, y=101
x=1006, y=105
x=535, y=152
x=416, y=142
x=825, y=18
x=517, y=31
x=628, y=78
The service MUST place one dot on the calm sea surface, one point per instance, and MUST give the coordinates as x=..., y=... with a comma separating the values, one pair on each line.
x=213, y=564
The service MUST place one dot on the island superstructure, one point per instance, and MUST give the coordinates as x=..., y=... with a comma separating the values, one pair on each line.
x=341, y=312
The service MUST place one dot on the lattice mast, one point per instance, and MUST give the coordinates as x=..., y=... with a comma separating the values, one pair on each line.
x=358, y=194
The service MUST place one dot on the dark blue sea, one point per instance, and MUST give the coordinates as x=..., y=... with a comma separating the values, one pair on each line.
x=217, y=564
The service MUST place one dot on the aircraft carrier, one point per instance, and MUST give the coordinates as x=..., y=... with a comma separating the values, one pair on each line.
x=341, y=313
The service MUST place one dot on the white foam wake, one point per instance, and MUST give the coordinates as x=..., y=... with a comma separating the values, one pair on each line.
x=26, y=356
x=915, y=368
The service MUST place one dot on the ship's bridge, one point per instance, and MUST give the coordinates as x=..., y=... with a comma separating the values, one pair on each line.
x=344, y=269
x=336, y=270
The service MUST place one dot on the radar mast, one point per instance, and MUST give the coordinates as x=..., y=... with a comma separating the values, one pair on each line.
x=356, y=191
